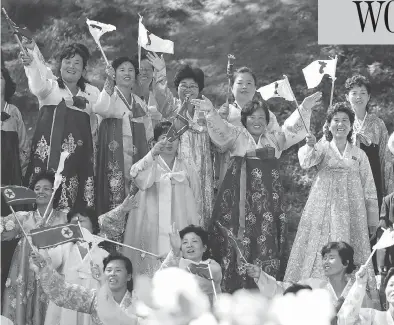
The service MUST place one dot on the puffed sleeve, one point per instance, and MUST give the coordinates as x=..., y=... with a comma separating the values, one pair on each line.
x=312, y=156
x=167, y=104
x=40, y=77
x=143, y=172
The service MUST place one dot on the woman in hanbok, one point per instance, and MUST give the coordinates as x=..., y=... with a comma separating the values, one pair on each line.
x=144, y=88
x=24, y=301
x=14, y=158
x=189, y=251
x=371, y=135
x=338, y=265
x=114, y=303
x=342, y=204
x=170, y=192
x=391, y=143
x=249, y=202
x=244, y=83
x=65, y=122
x=124, y=135
x=195, y=144
x=73, y=260
x=352, y=312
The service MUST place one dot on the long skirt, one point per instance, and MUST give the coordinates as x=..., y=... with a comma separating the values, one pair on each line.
x=11, y=174
x=248, y=222
x=61, y=128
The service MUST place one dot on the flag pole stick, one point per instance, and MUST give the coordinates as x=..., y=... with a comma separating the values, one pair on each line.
x=370, y=257
x=23, y=230
x=49, y=205
x=333, y=82
x=131, y=247
x=295, y=99
x=80, y=227
x=230, y=66
x=213, y=283
x=16, y=36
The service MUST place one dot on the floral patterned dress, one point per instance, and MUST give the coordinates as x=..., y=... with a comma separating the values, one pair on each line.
x=65, y=122
x=24, y=302
x=342, y=204
x=249, y=209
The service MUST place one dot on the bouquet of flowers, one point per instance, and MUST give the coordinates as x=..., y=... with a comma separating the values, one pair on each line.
x=173, y=297
x=7, y=224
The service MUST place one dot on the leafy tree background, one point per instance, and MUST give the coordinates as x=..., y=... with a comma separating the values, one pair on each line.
x=273, y=37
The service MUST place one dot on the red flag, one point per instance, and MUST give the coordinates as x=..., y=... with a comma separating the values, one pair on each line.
x=56, y=235
x=15, y=195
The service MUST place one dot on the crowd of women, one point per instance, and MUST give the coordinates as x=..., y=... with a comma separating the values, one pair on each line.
x=189, y=185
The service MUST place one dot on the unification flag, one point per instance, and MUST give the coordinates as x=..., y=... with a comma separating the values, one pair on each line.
x=56, y=235
x=386, y=240
x=98, y=29
x=315, y=71
x=278, y=88
x=15, y=195
x=151, y=42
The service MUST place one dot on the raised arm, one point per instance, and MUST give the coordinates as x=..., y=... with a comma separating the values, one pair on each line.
x=167, y=104
x=312, y=155
x=112, y=223
x=40, y=77
x=66, y=295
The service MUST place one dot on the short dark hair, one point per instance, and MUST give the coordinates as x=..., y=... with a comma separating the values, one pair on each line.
x=70, y=51
x=116, y=256
x=295, y=287
x=118, y=61
x=10, y=85
x=339, y=107
x=86, y=212
x=186, y=71
x=200, y=232
x=345, y=251
x=49, y=176
x=253, y=106
x=160, y=129
x=358, y=80
x=243, y=70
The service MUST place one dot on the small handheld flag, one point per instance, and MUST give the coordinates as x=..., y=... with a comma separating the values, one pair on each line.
x=151, y=42
x=97, y=30
x=278, y=88
x=201, y=270
x=16, y=195
x=315, y=71
x=386, y=240
x=180, y=124
x=57, y=235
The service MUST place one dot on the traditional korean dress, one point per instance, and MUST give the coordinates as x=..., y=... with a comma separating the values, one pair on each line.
x=371, y=135
x=24, y=302
x=14, y=159
x=204, y=282
x=249, y=208
x=65, y=122
x=88, y=301
x=124, y=137
x=342, y=204
x=352, y=313
x=166, y=196
x=73, y=261
x=195, y=145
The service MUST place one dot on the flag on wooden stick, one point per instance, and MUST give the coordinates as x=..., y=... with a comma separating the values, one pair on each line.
x=315, y=71
x=98, y=29
x=278, y=88
x=16, y=195
x=151, y=42
x=57, y=235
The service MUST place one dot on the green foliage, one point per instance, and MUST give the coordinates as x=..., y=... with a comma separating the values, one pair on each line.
x=273, y=37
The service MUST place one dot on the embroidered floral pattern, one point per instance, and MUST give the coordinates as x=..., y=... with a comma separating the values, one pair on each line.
x=69, y=144
x=42, y=149
x=89, y=192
